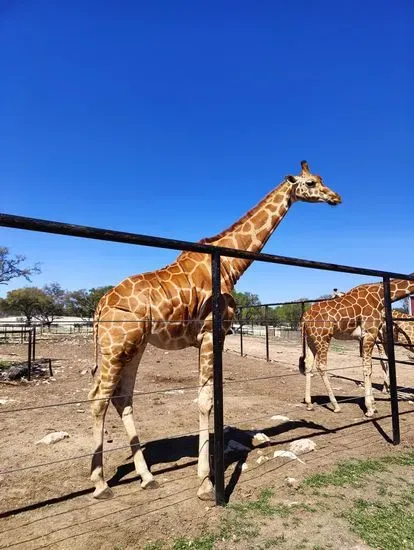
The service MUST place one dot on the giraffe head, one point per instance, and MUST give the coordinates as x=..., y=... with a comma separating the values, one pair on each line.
x=309, y=187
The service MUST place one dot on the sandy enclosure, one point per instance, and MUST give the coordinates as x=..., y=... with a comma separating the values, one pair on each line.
x=50, y=505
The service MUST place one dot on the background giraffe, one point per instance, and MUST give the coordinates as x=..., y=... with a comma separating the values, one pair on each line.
x=358, y=314
x=403, y=334
x=171, y=309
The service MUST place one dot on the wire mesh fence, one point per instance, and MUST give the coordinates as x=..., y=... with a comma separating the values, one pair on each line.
x=234, y=421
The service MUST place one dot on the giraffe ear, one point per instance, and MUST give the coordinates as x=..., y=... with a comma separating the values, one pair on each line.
x=305, y=168
x=291, y=179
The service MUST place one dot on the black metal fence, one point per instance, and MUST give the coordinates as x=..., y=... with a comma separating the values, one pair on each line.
x=216, y=253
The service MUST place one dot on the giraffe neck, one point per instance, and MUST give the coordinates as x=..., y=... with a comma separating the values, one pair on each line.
x=252, y=231
x=400, y=289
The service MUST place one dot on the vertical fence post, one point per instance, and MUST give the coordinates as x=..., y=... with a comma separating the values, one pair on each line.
x=218, y=380
x=267, y=332
x=241, y=331
x=34, y=343
x=391, y=362
x=29, y=354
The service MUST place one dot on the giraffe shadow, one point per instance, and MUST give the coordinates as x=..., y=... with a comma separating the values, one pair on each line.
x=376, y=386
x=323, y=401
x=238, y=444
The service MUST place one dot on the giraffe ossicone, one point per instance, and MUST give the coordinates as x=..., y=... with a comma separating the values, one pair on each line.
x=357, y=314
x=171, y=309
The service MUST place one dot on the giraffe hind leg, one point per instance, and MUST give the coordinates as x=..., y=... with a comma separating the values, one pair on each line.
x=321, y=364
x=123, y=403
x=100, y=394
x=310, y=358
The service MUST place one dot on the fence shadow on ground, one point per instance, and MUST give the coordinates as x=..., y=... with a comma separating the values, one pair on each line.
x=167, y=450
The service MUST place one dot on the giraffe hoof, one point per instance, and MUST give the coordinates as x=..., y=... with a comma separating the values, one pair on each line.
x=206, y=490
x=103, y=493
x=337, y=410
x=309, y=408
x=370, y=413
x=149, y=484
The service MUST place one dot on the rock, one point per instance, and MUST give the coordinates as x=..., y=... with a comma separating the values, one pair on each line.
x=280, y=417
x=244, y=467
x=302, y=446
x=260, y=439
x=292, y=482
x=287, y=454
x=6, y=400
x=84, y=371
x=173, y=392
x=261, y=459
x=53, y=437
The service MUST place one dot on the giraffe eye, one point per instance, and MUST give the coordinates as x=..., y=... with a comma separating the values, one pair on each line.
x=311, y=183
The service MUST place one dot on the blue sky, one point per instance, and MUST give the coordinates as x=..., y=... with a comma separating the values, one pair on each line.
x=175, y=118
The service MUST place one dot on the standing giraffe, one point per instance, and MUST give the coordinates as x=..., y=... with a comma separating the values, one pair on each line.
x=403, y=330
x=358, y=314
x=171, y=308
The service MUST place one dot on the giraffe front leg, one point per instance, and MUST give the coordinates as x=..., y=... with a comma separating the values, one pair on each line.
x=368, y=346
x=205, y=404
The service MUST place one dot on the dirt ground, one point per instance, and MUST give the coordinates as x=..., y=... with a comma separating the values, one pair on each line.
x=50, y=505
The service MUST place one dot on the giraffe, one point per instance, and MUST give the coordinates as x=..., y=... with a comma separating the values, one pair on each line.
x=171, y=308
x=403, y=330
x=358, y=314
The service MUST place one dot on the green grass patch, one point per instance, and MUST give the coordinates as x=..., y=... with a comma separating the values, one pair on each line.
x=240, y=521
x=352, y=472
x=4, y=365
x=389, y=526
x=346, y=473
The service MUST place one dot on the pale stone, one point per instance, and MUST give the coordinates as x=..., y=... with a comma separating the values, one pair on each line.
x=280, y=417
x=260, y=439
x=301, y=446
x=287, y=454
x=292, y=482
x=53, y=437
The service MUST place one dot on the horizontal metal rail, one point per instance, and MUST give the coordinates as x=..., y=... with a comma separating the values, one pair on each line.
x=59, y=228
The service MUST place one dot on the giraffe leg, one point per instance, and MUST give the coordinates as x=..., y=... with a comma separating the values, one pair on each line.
x=123, y=405
x=321, y=364
x=205, y=404
x=368, y=345
x=101, y=394
x=384, y=366
x=309, y=362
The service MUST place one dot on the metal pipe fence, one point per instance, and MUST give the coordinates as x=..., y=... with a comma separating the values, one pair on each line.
x=216, y=254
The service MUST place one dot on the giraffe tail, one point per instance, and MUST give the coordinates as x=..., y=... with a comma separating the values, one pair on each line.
x=302, y=358
x=95, y=338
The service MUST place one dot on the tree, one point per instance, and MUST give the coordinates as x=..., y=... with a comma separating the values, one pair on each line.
x=83, y=303
x=24, y=301
x=289, y=314
x=10, y=267
x=50, y=304
x=245, y=301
